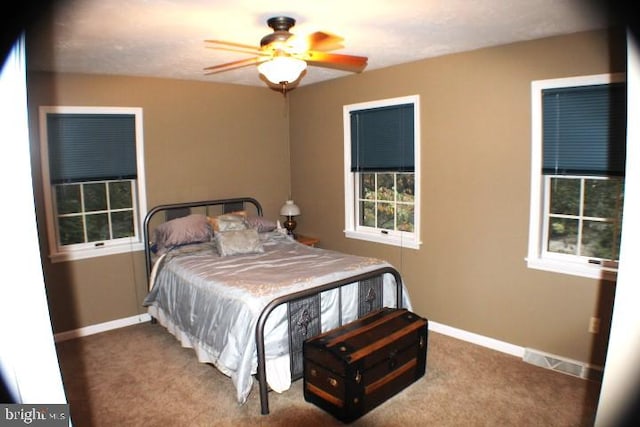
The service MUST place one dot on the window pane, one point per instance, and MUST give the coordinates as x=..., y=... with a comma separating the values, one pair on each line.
x=368, y=186
x=95, y=197
x=617, y=236
x=115, y=220
x=385, y=216
x=602, y=198
x=368, y=214
x=598, y=240
x=405, y=218
x=97, y=227
x=70, y=230
x=563, y=235
x=68, y=199
x=405, y=186
x=565, y=196
x=621, y=204
x=120, y=195
x=122, y=223
x=386, y=188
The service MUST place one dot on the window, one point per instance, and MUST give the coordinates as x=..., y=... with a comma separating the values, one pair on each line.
x=577, y=175
x=382, y=171
x=93, y=180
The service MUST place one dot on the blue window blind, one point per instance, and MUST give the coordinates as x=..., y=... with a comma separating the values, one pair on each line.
x=91, y=147
x=382, y=139
x=584, y=130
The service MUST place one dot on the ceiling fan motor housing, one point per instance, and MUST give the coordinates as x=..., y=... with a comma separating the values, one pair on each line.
x=281, y=26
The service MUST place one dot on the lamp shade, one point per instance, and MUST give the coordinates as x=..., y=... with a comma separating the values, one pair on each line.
x=282, y=69
x=289, y=209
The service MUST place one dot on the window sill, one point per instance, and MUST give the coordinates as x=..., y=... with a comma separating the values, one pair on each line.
x=95, y=252
x=581, y=270
x=386, y=239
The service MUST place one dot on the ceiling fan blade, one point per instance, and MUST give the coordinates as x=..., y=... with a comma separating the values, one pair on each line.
x=336, y=61
x=324, y=42
x=234, y=65
x=297, y=45
x=233, y=44
x=253, y=51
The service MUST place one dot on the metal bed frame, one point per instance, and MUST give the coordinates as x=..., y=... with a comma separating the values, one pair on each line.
x=234, y=204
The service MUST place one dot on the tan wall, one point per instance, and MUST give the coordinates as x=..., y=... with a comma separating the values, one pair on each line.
x=202, y=141
x=470, y=272
x=206, y=140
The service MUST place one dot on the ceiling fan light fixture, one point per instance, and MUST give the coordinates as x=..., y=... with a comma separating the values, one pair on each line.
x=282, y=69
x=282, y=57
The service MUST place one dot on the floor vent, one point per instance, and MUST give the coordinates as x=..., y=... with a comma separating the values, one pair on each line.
x=566, y=366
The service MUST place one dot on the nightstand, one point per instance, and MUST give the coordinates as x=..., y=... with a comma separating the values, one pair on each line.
x=306, y=240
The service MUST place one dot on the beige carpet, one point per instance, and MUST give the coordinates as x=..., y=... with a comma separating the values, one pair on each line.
x=141, y=376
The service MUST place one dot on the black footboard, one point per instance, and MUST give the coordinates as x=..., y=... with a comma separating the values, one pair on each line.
x=305, y=322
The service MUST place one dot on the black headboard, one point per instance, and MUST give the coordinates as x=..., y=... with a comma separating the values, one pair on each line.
x=177, y=210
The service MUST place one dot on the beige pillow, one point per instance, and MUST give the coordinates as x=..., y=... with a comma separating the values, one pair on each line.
x=227, y=222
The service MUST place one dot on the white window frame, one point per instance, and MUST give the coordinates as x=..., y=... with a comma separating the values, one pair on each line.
x=60, y=254
x=537, y=257
x=352, y=229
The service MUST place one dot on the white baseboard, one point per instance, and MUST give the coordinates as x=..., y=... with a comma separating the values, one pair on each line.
x=534, y=357
x=463, y=335
x=480, y=340
x=101, y=327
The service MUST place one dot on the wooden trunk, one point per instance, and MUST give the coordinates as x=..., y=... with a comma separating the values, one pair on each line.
x=352, y=369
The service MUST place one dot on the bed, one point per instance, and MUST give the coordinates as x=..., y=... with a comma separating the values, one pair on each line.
x=230, y=284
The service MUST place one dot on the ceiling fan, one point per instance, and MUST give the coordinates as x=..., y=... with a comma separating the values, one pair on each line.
x=282, y=56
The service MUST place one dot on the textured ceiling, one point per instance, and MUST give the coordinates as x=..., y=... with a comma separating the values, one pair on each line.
x=163, y=38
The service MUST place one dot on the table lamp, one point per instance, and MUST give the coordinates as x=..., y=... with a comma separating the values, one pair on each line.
x=290, y=209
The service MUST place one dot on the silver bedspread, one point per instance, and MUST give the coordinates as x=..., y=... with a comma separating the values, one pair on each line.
x=212, y=303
